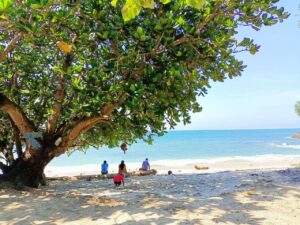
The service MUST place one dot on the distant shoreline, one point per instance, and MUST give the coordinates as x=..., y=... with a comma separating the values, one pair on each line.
x=236, y=129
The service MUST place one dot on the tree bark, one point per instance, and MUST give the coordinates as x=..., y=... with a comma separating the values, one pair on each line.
x=10, y=46
x=27, y=172
x=60, y=95
x=16, y=114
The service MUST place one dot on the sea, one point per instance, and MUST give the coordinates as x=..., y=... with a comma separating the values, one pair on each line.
x=193, y=145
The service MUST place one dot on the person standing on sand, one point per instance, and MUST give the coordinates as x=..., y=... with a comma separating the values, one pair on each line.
x=122, y=167
x=104, y=168
x=145, y=165
x=118, y=179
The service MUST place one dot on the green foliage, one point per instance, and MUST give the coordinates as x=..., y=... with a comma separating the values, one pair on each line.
x=161, y=58
x=6, y=136
x=197, y=4
x=133, y=8
x=297, y=108
x=5, y=4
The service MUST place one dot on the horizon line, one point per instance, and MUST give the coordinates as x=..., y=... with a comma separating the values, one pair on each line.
x=230, y=129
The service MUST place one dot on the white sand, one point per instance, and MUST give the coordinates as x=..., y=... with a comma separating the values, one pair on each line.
x=233, y=197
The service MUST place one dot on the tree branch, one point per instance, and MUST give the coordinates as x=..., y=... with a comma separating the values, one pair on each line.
x=10, y=153
x=115, y=48
x=10, y=46
x=59, y=97
x=16, y=114
x=106, y=110
x=81, y=126
x=17, y=139
x=85, y=124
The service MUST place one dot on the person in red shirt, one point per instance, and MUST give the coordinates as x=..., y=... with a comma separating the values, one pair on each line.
x=118, y=179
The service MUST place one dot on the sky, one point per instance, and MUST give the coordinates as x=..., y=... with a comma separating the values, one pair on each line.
x=265, y=95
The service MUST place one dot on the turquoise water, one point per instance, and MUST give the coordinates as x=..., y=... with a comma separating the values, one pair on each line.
x=180, y=145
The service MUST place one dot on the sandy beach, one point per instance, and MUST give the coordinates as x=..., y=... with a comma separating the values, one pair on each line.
x=255, y=196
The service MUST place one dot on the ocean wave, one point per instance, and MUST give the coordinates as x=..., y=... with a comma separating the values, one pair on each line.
x=285, y=145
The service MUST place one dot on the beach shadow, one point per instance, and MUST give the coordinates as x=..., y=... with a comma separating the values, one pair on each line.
x=219, y=198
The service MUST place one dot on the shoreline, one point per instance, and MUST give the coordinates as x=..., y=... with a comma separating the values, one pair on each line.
x=266, y=162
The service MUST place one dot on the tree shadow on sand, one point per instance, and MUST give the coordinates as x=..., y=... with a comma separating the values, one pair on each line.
x=219, y=198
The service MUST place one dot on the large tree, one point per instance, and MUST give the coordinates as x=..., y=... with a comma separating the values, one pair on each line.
x=92, y=73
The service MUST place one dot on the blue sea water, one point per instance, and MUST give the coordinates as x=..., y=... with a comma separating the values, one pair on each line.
x=200, y=144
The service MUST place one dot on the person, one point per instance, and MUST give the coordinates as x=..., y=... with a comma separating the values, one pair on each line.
x=104, y=168
x=118, y=179
x=145, y=165
x=122, y=167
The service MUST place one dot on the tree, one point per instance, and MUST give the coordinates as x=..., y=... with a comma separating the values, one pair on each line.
x=297, y=108
x=82, y=74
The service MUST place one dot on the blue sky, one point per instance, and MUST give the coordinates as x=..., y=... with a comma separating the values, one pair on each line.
x=265, y=95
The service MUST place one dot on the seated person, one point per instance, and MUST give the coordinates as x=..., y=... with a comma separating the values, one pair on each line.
x=104, y=168
x=118, y=179
x=122, y=167
x=145, y=165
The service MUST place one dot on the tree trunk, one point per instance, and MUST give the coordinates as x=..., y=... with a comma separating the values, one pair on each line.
x=26, y=172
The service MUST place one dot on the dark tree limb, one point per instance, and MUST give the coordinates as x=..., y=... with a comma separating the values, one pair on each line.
x=83, y=125
x=17, y=138
x=57, y=107
x=16, y=114
x=59, y=96
x=10, y=46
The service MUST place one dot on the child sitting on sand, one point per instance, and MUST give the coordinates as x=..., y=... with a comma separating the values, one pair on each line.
x=118, y=179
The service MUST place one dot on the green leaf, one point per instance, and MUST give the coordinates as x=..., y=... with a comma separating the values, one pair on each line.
x=114, y=3
x=132, y=87
x=143, y=38
x=147, y=4
x=25, y=91
x=179, y=53
x=180, y=20
x=140, y=31
x=245, y=42
x=4, y=4
x=3, y=17
x=165, y=1
x=253, y=49
x=197, y=4
x=131, y=9
x=297, y=108
x=35, y=6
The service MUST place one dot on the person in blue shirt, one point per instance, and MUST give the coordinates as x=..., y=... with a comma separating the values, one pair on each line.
x=145, y=165
x=104, y=168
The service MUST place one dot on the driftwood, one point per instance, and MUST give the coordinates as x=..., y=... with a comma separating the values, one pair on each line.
x=199, y=167
x=100, y=176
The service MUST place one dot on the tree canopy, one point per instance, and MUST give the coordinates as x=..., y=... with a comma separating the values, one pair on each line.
x=100, y=72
